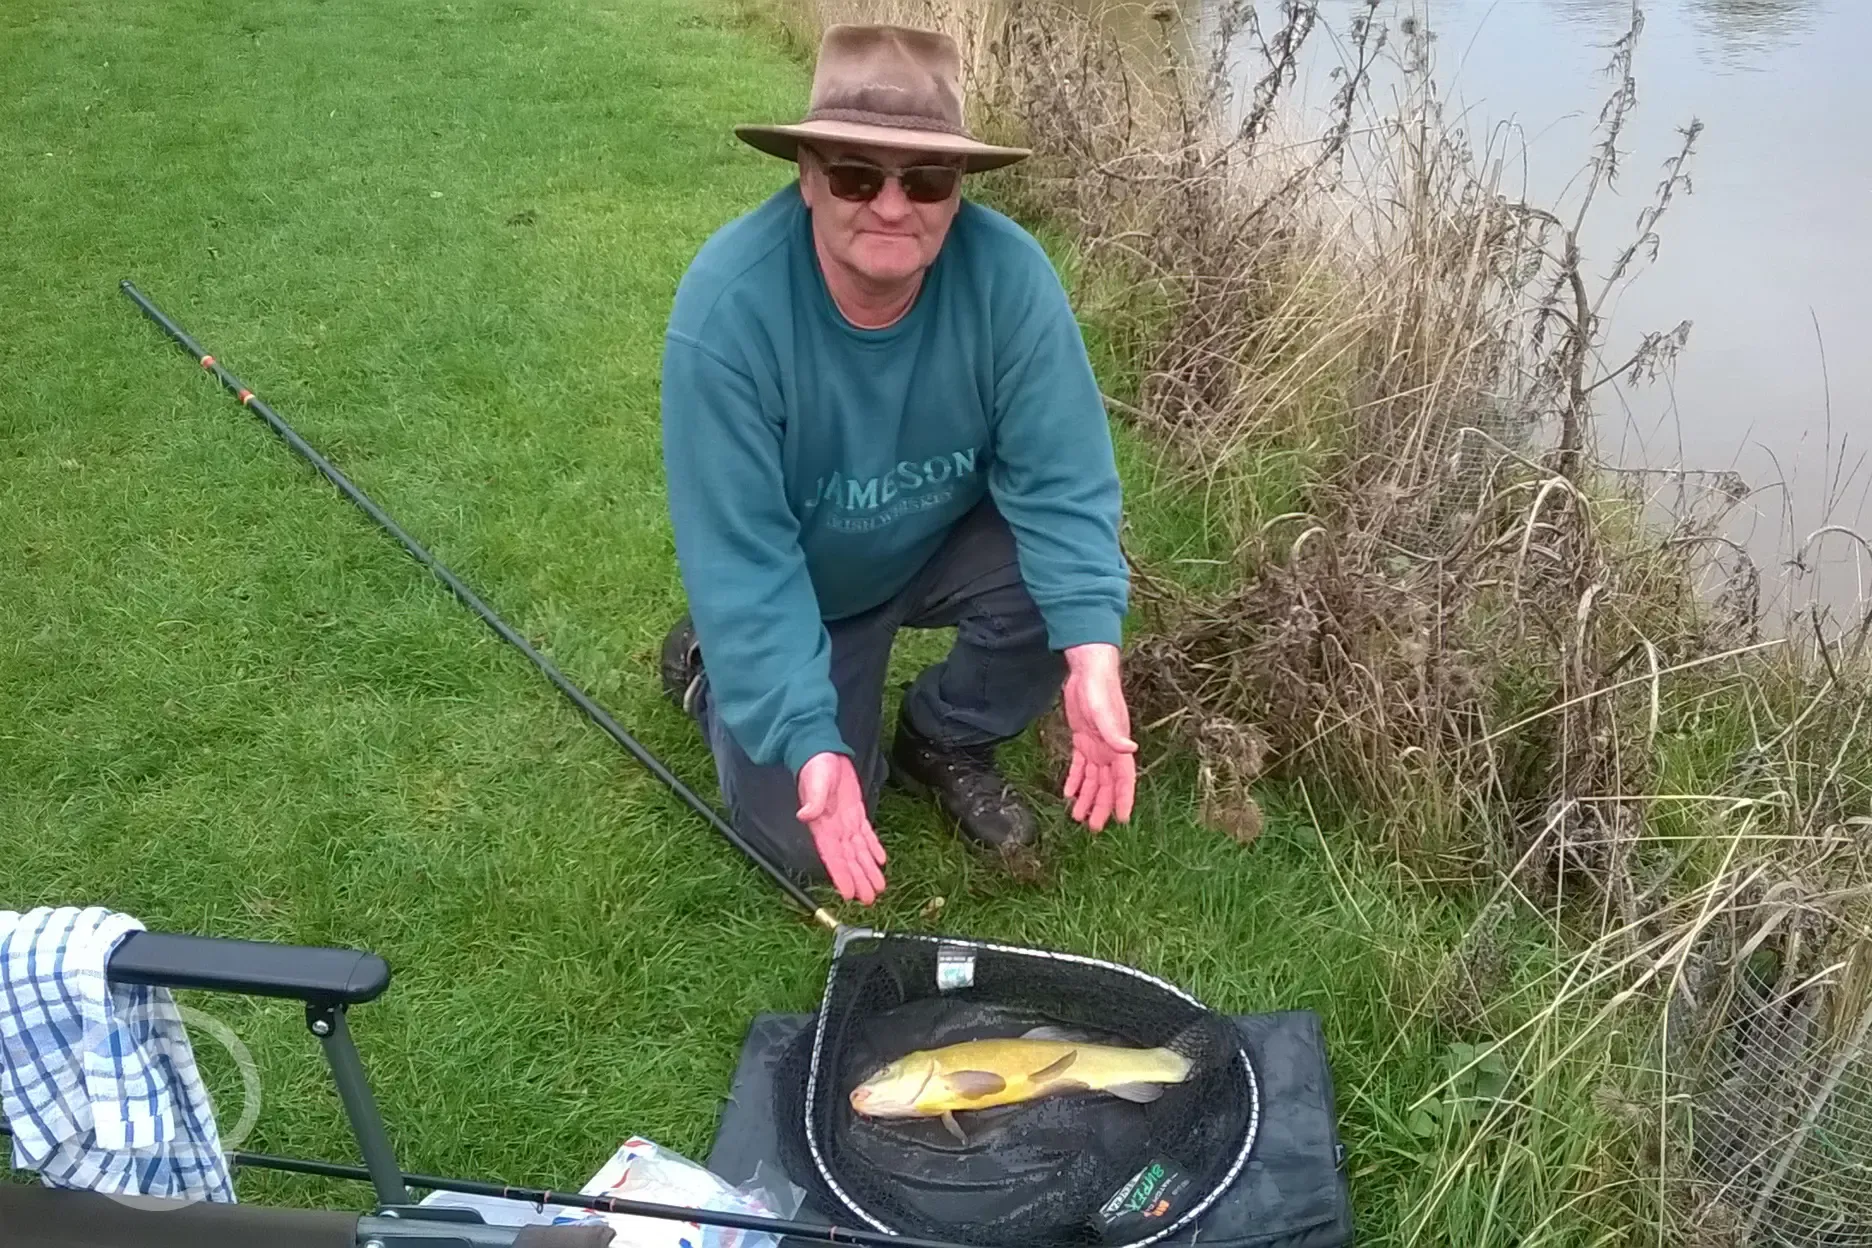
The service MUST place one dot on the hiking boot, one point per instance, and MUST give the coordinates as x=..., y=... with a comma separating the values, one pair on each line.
x=967, y=788
x=681, y=665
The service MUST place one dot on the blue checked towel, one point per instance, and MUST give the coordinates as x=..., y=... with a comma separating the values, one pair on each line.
x=98, y=1081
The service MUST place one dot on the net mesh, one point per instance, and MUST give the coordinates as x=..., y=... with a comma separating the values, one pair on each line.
x=1783, y=1145
x=1032, y=1174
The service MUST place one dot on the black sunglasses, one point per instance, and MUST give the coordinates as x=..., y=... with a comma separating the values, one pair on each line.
x=860, y=181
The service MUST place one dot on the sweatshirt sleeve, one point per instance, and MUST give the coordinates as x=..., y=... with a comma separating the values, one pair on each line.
x=1054, y=474
x=737, y=542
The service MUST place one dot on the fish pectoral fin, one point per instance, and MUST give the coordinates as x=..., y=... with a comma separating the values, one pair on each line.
x=1056, y=1069
x=977, y=1083
x=1137, y=1093
x=955, y=1128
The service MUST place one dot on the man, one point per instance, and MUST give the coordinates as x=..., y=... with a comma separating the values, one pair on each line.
x=877, y=413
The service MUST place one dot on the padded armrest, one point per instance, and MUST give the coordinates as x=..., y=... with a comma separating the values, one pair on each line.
x=33, y=1216
x=254, y=968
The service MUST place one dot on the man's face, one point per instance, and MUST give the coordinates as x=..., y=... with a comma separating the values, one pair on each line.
x=889, y=236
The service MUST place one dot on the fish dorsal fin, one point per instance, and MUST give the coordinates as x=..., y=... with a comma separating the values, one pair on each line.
x=977, y=1083
x=1048, y=1073
x=1049, y=1033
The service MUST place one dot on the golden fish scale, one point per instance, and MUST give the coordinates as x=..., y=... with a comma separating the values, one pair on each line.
x=1094, y=1066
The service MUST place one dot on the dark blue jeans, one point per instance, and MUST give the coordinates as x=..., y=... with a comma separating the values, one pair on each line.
x=998, y=678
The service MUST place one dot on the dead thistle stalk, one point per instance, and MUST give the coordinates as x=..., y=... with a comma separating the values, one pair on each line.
x=1377, y=367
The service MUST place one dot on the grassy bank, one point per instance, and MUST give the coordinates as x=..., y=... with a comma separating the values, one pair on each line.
x=441, y=239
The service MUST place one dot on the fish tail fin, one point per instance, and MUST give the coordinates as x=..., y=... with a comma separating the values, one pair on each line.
x=1200, y=1040
x=1174, y=1067
x=1197, y=1035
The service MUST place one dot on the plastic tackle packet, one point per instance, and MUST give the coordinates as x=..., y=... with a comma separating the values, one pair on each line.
x=643, y=1170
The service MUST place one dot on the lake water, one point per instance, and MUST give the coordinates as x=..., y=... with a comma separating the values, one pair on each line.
x=1770, y=256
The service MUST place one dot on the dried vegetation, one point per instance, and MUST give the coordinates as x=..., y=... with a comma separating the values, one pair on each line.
x=1376, y=365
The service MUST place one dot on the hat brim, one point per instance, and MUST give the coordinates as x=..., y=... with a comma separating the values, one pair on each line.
x=784, y=142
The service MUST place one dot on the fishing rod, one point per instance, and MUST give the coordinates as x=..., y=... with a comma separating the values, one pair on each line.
x=253, y=402
x=779, y=1228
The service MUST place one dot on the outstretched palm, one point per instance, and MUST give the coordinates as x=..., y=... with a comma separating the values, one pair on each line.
x=833, y=810
x=1103, y=779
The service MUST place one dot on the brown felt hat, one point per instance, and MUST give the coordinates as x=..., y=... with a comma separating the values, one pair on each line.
x=885, y=86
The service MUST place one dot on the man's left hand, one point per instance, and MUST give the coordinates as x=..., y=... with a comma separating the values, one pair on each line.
x=1103, y=780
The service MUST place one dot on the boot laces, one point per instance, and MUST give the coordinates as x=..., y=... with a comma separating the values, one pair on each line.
x=972, y=775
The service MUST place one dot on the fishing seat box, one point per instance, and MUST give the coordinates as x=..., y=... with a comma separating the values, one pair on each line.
x=1292, y=1194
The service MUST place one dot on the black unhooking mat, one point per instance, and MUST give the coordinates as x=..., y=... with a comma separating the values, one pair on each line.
x=1293, y=1193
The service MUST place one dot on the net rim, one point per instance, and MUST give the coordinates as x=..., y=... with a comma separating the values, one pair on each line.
x=846, y=936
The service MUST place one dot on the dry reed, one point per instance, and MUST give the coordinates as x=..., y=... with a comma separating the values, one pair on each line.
x=1377, y=363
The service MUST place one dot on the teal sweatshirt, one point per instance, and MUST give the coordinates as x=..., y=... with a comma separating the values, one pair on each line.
x=814, y=467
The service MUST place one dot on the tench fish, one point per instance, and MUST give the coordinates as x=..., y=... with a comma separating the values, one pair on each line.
x=981, y=1074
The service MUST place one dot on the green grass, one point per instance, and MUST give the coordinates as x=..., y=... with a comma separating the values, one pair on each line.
x=441, y=238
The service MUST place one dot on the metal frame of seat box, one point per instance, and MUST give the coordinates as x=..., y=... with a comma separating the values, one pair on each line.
x=328, y=982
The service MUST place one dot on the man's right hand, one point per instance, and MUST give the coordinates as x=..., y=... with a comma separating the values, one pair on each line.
x=832, y=808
